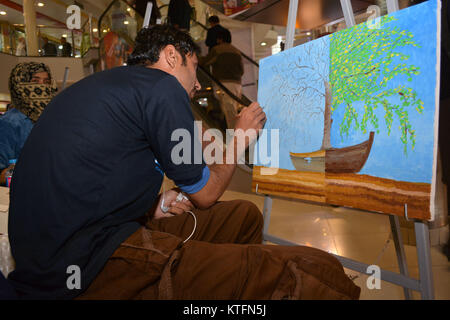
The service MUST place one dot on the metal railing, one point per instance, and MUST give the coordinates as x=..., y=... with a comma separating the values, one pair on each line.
x=13, y=39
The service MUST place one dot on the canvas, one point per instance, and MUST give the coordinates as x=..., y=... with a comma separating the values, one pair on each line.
x=357, y=115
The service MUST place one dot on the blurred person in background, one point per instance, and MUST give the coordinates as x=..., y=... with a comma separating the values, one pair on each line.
x=141, y=7
x=216, y=27
x=66, y=48
x=49, y=49
x=21, y=49
x=179, y=14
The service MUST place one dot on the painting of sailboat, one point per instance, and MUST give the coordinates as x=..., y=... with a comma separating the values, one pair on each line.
x=335, y=160
x=356, y=113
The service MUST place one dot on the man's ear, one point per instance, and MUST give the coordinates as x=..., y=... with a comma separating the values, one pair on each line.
x=170, y=54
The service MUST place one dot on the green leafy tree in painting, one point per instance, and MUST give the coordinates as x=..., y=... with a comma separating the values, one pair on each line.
x=364, y=62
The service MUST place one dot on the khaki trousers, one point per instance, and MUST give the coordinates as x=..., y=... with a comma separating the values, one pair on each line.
x=224, y=261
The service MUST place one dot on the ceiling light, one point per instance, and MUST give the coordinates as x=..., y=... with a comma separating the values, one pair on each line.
x=263, y=44
x=94, y=30
x=308, y=33
x=3, y=13
x=40, y=4
x=126, y=22
x=64, y=35
x=105, y=31
x=128, y=9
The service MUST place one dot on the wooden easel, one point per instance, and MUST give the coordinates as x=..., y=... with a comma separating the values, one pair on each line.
x=425, y=283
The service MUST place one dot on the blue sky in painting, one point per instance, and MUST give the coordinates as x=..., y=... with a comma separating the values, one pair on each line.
x=298, y=131
x=302, y=131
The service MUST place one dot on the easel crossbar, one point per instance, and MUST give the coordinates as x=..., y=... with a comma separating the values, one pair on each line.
x=386, y=275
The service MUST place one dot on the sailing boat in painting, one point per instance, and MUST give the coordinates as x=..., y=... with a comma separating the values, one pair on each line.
x=334, y=160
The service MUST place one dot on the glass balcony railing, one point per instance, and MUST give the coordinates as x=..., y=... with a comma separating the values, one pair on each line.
x=12, y=40
x=9, y=38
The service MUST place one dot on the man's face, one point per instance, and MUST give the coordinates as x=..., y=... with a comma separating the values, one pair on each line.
x=41, y=78
x=187, y=74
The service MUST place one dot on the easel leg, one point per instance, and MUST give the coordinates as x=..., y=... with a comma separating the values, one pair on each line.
x=400, y=251
x=424, y=260
x=348, y=13
x=266, y=214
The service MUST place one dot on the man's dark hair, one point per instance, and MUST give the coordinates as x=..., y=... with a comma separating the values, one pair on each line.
x=213, y=19
x=150, y=41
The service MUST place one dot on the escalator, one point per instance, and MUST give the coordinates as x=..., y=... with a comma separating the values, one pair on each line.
x=118, y=26
x=206, y=103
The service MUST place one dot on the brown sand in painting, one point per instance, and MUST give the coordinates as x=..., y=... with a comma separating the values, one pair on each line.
x=350, y=190
x=291, y=184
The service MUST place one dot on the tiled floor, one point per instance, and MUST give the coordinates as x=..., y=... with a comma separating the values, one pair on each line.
x=353, y=234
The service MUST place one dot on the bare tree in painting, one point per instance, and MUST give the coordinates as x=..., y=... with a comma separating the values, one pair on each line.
x=302, y=82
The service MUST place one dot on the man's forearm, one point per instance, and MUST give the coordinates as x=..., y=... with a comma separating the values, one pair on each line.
x=221, y=175
x=249, y=122
x=219, y=179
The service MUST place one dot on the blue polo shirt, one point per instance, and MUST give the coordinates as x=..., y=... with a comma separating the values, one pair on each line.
x=14, y=130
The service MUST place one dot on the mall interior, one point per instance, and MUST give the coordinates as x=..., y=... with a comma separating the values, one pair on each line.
x=103, y=38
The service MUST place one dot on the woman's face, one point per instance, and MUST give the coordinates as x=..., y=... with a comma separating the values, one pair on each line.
x=41, y=78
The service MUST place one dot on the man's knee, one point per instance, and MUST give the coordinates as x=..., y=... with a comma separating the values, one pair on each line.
x=251, y=210
x=252, y=222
